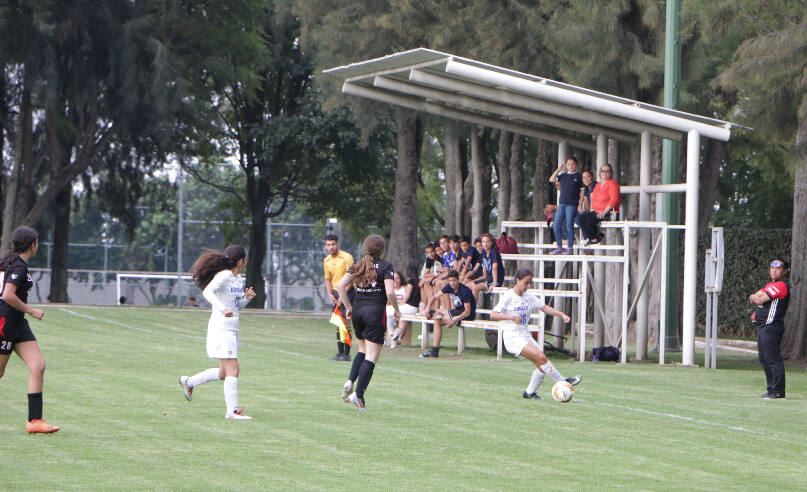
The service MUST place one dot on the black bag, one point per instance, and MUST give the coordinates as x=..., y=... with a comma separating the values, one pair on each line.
x=605, y=354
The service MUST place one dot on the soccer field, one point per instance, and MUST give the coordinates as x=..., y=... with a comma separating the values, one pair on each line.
x=453, y=423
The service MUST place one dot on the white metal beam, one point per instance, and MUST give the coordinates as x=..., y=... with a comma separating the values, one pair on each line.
x=464, y=102
x=691, y=248
x=644, y=244
x=585, y=101
x=552, y=114
x=467, y=116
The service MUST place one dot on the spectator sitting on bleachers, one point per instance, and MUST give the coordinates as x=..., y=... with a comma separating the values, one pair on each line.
x=605, y=200
x=399, y=288
x=472, y=268
x=409, y=305
x=585, y=204
x=448, y=258
x=429, y=270
x=478, y=244
x=493, y=274
x=463, y=307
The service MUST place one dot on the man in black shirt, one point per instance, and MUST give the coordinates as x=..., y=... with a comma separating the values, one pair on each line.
x=463, y=306
x=769, y=318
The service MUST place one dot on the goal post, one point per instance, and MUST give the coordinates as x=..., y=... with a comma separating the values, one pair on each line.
x=155, y=289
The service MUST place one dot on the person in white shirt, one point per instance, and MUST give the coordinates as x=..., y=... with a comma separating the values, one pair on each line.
x=515, y=307
x=218, y=274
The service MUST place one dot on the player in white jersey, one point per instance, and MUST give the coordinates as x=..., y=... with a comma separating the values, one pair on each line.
x=218, y=275
x=515, y=307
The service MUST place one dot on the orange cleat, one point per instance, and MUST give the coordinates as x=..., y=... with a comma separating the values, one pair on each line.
x=39, y=426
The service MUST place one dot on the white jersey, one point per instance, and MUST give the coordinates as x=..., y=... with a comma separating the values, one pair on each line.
x=225, y=291
x=512, y=304
x=400, y=294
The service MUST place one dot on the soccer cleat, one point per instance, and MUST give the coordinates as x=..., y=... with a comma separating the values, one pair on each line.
x=39, y=426
x=773, y=396
x=347, y=389
x=393, y=343
x=183, y=381
x=531, y=396
x=354, y=399
x=430, y=353
x=238, y=415
x=338, y=357
x=575, y=380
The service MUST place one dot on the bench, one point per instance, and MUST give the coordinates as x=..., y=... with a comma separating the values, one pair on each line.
x=424, y=340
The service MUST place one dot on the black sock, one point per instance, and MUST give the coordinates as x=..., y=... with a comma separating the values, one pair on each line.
x=436, y=350
x=365, y=375
x=346, y=349
x=340, y=347
x=34, y=406
x=354, y=368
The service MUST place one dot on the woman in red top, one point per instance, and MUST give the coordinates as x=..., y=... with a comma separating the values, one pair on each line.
x=604, y=200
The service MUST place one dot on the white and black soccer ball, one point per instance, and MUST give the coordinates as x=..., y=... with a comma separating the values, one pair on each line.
x=562, y=391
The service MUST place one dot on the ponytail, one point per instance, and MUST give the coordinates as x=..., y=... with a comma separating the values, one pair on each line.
x=212, y=262
x=363, y=271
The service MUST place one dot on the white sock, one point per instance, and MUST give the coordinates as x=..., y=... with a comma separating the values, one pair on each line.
x=231, y=394
x=535, y=381
x=548, y=368
x=203, y=377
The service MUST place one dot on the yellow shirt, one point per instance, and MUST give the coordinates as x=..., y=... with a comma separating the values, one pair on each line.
x=336, y=267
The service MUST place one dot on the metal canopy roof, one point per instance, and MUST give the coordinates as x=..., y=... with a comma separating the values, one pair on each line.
x=475, y=92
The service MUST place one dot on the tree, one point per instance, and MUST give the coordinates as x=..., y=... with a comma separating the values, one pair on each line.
x=82, y=76
x=770, y=77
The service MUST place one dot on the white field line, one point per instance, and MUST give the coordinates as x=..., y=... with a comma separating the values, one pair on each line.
x=87, y=316
x=677, y=417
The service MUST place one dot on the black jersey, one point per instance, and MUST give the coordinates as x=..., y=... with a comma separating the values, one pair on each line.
x=774, y=310
x=17, y=274
x=375, y=293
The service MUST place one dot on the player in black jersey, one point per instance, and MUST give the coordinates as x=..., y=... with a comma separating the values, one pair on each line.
x=373, y=287
x=15, y=334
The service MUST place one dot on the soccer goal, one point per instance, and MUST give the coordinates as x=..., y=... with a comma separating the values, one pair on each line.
x=156, y=289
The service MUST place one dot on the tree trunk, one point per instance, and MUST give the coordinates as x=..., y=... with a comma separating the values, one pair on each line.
x=540, y=193
x=516, y=211
x=480, y=210
x=402, y=249
x=61, y=238
x=503, y=175
x=467, y=190
x=709, y=174
x=454, y=181
x=257, y=253
x=793, y=342
x=23, y=148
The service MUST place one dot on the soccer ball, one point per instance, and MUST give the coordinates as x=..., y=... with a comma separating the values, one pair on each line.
x=562, y=391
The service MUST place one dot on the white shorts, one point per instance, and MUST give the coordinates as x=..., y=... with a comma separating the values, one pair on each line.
x=408, y=310
x=222, y=344
x=516, y=339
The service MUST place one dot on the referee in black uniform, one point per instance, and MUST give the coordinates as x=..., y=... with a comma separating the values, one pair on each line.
x=769, y=318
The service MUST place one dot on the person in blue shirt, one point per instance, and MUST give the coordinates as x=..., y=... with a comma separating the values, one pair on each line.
x=463, y=307
x=571, y=197
x=492, y=266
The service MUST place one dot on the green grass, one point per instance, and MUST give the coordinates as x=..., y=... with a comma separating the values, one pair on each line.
x=454, y=423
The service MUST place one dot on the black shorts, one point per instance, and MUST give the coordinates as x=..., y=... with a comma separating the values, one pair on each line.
x=14, y=331
x=456, y=312
x=370, y=323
